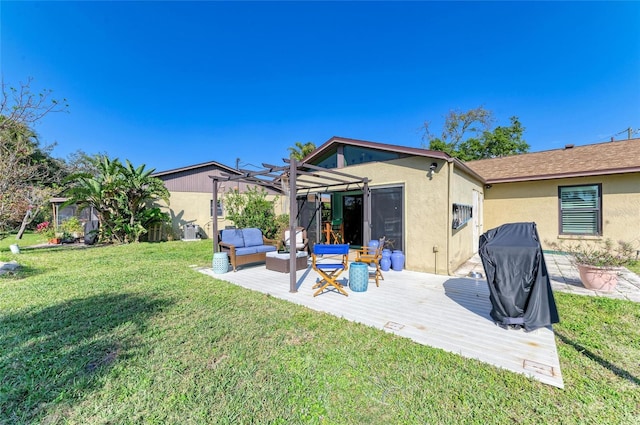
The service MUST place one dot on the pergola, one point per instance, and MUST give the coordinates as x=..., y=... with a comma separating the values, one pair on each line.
x=297, y=176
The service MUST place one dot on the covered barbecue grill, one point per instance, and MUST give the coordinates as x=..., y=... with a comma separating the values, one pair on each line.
x=519, y=286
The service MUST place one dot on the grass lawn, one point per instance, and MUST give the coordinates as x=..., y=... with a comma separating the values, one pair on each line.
x=132, y=334
x=28, y=239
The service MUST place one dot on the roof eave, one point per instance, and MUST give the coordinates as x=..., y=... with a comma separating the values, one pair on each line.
x=564, y=175
x=196, y=166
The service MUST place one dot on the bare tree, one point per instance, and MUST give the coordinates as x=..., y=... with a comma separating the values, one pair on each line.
x=27, y=171
x=458, y=127
x=468, y=136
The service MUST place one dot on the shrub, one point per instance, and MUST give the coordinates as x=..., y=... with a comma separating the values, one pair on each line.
x=71, y=225
x=252, y=209
x=46, y=230
x=598, y=253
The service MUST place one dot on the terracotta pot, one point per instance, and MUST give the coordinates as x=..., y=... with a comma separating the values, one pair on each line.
x=598, y=278
x=54, y=241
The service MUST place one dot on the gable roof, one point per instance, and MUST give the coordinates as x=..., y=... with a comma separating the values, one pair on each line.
x=335, y=140
x=589, y=160
x=210, y=164
x=409, y=151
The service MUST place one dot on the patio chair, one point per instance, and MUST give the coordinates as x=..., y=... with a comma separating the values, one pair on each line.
x=301, y=240
x=334, y=231
x=329, y=271
x=371, y=256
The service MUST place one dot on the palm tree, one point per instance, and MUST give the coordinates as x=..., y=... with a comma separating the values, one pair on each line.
x=100, y=191
x=302, y=150
x=140, y=188
x=119, y=193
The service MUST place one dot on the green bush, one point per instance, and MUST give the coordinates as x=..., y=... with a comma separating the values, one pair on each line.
x=71, y=225
x=252, y=209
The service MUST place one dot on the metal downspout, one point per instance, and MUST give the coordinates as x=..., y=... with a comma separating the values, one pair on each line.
x=449, y=218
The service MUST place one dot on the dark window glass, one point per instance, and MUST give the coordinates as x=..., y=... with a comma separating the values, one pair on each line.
x=220, y=211
x=387, y=216
x=359, y=155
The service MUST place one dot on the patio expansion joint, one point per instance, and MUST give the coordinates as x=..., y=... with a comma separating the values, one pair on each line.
x=393, y=326
x=538, y=368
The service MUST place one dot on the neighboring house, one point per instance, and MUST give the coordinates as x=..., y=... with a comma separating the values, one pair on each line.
x=191, y=195
x=578, y=192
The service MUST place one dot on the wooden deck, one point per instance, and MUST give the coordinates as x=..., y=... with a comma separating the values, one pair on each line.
x=451, y=313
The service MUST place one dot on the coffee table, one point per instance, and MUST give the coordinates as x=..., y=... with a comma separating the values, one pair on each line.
x=279, y=261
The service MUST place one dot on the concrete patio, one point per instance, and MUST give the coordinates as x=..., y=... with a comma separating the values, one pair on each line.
x=447, y=312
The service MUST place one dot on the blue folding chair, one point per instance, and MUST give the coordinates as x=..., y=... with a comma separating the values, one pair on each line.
x=329, y=271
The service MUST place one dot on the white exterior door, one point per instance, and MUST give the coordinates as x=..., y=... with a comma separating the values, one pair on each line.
x=478, y=199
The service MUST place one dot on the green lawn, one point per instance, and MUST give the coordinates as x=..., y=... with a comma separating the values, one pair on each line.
x=28, y=239
x=634, y=267
x=132, y=334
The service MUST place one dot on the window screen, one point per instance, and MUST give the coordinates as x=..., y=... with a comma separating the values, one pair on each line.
x=387, y=215
x=580, y=210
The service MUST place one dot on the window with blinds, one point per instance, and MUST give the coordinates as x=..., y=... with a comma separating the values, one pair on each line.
x=580, y=209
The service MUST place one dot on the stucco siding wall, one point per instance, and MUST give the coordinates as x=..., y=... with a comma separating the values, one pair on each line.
x=538, y=202
x=194, y=208
x=462, y=242
x=426, y=207
x=191, y=208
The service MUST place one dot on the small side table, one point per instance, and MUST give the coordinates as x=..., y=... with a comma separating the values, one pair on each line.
x=220, y=262
x=358, y=277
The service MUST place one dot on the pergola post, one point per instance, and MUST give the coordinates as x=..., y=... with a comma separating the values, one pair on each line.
x=214, y=219
x=366, y=212
x=293, y=214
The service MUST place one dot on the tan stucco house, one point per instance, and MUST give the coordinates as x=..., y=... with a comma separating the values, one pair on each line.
x=576, y=192
x=191, y=200
x=434, y=207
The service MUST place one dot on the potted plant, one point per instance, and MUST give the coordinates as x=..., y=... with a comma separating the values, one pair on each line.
x=73, y=227
x=598, y=261
x=48, y=232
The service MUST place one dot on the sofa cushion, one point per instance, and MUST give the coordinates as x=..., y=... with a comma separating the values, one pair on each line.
x=233, y=237
x=299, y=239
x=252, y=237
x=265, y=248
x=246, y=250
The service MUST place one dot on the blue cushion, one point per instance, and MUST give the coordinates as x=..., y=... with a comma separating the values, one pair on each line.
x=321, y=249
x=246, y=250
x=252, y=237
x=329, y=266
x=233, y=237
x=265, y=248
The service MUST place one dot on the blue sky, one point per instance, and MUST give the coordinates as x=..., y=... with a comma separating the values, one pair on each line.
x=170, y=84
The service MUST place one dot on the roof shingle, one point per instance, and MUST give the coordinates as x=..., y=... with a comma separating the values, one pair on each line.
x=596, y=159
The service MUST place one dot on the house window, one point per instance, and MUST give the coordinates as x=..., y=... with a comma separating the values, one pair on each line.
x=220, y=210
x=580, y=209
x=461, y=214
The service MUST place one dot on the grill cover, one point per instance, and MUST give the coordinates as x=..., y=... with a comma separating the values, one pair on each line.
x=519, y=286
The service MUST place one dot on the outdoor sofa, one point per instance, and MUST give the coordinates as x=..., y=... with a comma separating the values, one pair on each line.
x=245, y=246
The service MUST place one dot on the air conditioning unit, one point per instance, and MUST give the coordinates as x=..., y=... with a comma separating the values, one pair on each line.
x=189, y=232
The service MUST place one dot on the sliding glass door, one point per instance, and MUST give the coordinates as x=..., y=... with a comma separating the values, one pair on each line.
x=387, y=215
